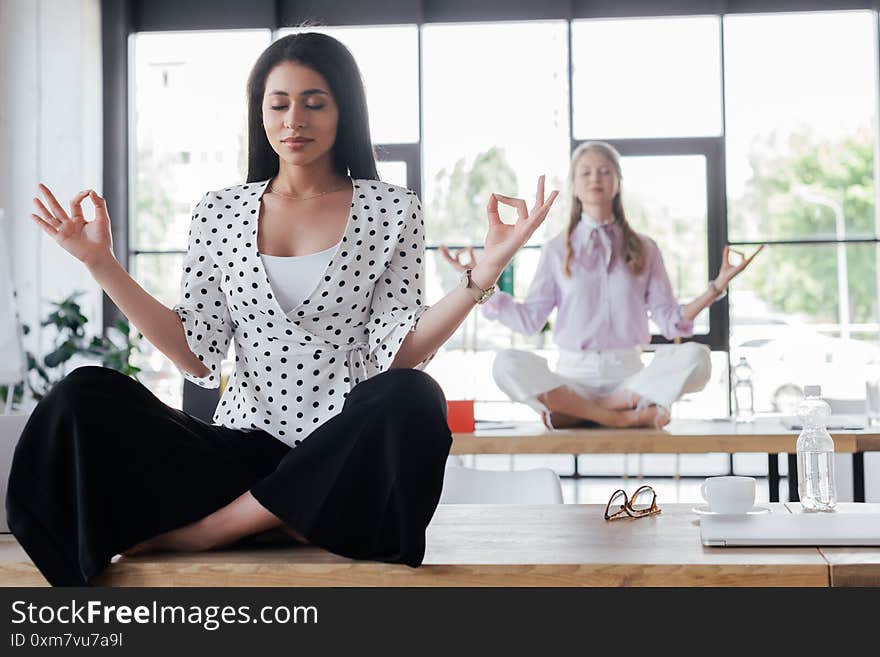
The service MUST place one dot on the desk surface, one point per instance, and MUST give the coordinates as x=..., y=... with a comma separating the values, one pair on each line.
x=766, y=434
x=474, y=545
x=850, y=566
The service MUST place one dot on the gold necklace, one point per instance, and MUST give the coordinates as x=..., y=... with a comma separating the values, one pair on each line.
x=306, y=198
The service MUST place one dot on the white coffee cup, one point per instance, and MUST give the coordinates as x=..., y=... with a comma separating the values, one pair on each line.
x=729, y=494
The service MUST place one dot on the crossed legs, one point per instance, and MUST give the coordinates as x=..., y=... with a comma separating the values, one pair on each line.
x=365, y=483
x=242, y=517
x=617, y=409
x=519, y=374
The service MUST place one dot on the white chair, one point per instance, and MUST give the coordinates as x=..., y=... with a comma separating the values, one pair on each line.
x=470, y=486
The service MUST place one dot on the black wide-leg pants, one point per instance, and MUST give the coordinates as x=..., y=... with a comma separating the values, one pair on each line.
x=102, y=464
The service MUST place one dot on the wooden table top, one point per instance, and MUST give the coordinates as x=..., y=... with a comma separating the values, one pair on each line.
x=476, y=545
x=766, y=434
x=486, y=545
x=850, y=566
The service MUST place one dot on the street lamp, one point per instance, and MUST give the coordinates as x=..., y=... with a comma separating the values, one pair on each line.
x=811, y=196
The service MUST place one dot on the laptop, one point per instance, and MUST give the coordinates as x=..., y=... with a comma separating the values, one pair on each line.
x=791, y=529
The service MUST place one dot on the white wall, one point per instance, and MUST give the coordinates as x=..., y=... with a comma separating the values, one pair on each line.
x=50, y=132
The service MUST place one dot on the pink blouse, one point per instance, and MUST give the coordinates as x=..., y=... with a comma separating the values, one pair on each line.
x=603, y=305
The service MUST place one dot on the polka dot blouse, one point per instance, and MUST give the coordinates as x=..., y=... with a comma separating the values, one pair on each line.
x=293, y=370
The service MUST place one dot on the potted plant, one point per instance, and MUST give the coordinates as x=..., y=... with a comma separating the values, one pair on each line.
x=112, y=350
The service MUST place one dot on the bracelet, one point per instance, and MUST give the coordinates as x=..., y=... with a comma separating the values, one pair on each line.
x=479, y=294
x=719, y=293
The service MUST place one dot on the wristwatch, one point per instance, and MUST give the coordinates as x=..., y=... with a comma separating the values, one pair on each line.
x=480, y=295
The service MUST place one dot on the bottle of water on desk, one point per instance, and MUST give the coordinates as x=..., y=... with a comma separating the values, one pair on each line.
x=815, y=453
x=743, y=391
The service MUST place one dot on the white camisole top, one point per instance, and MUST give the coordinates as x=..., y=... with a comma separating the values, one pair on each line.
x=293, y=278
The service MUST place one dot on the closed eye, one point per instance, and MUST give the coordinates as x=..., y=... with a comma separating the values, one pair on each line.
x=313, y=107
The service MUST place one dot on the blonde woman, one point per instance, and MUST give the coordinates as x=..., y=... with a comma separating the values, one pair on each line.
x=603, y=278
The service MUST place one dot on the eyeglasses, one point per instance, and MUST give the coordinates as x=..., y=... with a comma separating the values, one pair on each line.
x=642, y=503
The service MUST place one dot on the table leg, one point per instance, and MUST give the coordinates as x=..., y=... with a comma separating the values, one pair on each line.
x=773, y=476
x=793, y=495
x=858, y=476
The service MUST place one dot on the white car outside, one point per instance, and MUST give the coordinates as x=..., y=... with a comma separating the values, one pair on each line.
x=782, y=365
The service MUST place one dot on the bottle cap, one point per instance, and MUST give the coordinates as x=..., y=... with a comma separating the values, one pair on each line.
x=812, y=391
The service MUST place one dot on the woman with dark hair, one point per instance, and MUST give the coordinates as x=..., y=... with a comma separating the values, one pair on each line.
x=604, y=279
x=327, y=430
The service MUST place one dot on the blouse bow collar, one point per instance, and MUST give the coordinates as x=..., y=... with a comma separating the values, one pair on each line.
x=593, y=242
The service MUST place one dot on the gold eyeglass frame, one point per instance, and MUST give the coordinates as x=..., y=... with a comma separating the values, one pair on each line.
x=626, y=511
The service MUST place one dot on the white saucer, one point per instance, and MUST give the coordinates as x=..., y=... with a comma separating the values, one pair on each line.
x=703, y=510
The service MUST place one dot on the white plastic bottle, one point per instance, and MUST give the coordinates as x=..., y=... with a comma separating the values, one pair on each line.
x=743, y=391
x=815, y=453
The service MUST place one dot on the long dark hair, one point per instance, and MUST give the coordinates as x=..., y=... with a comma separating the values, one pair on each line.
x=353, y=153
x=633, y=249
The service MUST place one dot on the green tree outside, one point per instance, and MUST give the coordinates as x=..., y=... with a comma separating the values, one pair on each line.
x=802, y=280
x=458, y=209
x=457, y=213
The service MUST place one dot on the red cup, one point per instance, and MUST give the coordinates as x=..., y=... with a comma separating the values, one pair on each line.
x=460, y=415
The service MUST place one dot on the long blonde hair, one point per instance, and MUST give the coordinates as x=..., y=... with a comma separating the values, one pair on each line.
x=633, y=249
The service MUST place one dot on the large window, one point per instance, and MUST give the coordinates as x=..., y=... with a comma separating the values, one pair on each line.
x=666, y=199
x=651, y=77
x=742, y=129
x=189, y=135
x=495, y=118
x=801, y=139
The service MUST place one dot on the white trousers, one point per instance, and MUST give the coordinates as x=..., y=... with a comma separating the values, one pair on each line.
x=674, y=371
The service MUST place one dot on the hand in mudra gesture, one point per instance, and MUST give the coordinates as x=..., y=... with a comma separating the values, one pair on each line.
x=728, y=270
x=87, y=241
x=503, y=240
x=456, y=260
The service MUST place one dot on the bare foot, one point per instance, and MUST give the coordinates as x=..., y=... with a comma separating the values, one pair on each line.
x=563, y=421
x=294, y=534
x=557, y=420
x=135, y=550
x=619, y=400
x=566, y=403
x=192, y=539
x=144, y=547
x=189, y=538
x=281, y=535
x=651, y=416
